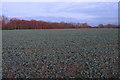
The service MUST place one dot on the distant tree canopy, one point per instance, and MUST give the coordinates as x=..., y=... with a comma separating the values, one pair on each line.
x=13, y=24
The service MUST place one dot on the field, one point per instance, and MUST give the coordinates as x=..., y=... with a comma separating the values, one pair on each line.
x=60, y=53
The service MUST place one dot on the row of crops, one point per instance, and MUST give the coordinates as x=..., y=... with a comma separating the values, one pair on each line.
x=63, y=53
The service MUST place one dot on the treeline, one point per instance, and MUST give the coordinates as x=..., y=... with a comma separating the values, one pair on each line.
x=33, y=24
x=14, y=24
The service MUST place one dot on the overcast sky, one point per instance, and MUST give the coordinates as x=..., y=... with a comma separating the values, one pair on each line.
x=59, y=0
x=93, y=13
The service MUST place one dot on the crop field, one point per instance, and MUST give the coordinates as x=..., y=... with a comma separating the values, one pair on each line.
x=60, y=53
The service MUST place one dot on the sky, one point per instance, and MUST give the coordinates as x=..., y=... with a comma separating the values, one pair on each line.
x=59, y=0
x=93, y=13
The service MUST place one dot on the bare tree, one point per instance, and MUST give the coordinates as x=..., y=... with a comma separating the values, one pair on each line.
x=5, y=20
